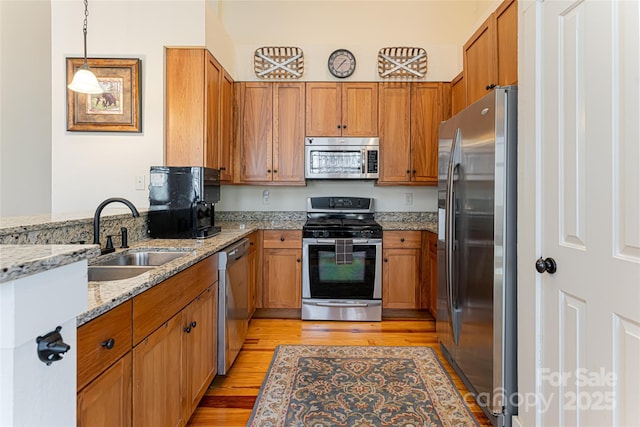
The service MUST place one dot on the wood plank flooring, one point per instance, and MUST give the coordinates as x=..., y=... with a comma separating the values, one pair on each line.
x=230, y=399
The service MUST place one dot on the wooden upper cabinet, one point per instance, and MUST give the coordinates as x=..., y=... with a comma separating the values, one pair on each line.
x=410, y=114
x=225, y=159
x=395, y=132
x=342, y=109
x=479, y=64
x=490, y=56
x=271, y=147
x=506, y=18
x=288, y=132
x=458, y=95
x=257, y=137
x=426, y=115
x=199, y=111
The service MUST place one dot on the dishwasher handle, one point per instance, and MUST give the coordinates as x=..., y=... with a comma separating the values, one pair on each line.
x=233, y=252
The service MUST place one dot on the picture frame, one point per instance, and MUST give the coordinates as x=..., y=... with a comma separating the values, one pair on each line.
x=118, y=109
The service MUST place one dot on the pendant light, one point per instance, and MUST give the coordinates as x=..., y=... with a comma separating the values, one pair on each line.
x=84, y=81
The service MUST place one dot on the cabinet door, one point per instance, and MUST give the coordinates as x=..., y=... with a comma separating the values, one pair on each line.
x=479, y=61
x=426, y=115
x=106, y=401
x=158, y=370
x=201, y=328
x=288, y=132
x=212, y=112
x=323, y=109
x=282, y=278
x=458, y=95
x=185, y=102
x=401, y=278
x=506, y=23
x=359, y=109
x=395, y=132
x=225, y=160
x=257, y=140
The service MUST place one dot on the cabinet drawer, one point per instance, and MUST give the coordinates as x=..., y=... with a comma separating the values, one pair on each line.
x=157, y=305
x=93, y=356
x=274, y=239
x=401, y=239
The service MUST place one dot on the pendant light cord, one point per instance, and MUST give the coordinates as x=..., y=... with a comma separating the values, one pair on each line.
x=84, y=28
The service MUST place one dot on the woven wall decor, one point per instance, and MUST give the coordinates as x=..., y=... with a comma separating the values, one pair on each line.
x=402, y=63
x=272, y=62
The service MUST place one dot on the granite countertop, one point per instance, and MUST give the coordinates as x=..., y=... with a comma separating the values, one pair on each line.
x=17, y=261
x=409, y=225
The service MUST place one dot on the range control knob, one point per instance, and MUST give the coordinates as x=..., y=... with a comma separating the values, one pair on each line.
x=325, y=233
x=316, y=233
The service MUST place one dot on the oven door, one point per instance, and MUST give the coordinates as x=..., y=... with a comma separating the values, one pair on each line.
x=323, y=278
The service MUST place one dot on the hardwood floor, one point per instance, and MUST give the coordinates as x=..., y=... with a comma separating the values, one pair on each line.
x=230, y=399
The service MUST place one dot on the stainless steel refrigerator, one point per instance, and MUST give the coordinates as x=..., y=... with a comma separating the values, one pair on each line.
x=476, y=307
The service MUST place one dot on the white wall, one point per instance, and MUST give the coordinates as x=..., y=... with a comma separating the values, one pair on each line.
x=25, y=107
x=364, y=27
x=387, y=199
x=89, y=167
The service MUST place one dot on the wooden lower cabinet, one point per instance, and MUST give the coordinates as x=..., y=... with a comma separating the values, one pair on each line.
x=158, y=370
x=401, y=277
x=255, y=279
x=173, y=367
x=282, y=273
x=106, y=401
x=202, y=346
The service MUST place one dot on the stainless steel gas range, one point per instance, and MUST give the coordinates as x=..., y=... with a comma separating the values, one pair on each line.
x=342, y=260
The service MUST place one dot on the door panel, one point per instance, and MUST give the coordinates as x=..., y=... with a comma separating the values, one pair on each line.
x=589, y=207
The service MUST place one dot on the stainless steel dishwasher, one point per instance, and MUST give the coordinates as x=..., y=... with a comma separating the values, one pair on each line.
x=233, y=313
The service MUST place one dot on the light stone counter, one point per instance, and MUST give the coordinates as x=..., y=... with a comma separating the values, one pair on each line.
x=409, y=225
x=17, y=261
x=105, y=295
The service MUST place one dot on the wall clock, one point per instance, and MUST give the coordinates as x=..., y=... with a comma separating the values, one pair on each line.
x=342, y=63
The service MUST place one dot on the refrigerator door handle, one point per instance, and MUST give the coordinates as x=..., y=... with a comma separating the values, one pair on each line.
x=450, y=233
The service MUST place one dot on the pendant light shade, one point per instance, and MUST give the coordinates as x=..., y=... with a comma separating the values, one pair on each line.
x=84, y=81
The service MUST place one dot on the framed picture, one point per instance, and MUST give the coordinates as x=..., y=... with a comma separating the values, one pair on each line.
x=117, y=109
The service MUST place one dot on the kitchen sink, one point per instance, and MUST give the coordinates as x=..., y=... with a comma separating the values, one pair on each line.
x=99, y=273
x=142, y=258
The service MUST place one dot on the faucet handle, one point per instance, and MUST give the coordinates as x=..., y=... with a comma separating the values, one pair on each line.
x=109, y=244
x=124, y=237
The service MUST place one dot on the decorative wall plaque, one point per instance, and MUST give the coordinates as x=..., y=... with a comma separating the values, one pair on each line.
x=272, y=62
x=402, y=63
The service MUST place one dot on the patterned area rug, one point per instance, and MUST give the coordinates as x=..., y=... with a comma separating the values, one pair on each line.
x=358, y=386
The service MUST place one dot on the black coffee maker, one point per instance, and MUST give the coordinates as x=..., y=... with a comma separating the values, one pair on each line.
x=181, y=202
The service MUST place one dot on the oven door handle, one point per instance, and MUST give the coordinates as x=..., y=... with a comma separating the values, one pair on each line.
x=333, y=241
x=342, y=304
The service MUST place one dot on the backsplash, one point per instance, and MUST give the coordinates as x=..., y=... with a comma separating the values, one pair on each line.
x=74, y=231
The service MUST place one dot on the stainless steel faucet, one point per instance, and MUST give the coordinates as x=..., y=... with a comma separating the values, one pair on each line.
x=96, y=219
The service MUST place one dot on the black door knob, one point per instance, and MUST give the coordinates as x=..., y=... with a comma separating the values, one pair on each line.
x=546, y=265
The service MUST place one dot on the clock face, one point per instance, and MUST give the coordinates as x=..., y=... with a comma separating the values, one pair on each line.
x=342, y=63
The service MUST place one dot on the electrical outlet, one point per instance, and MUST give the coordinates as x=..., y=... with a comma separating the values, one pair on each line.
x=265, y=197
x=140, y=183
x=408, y=198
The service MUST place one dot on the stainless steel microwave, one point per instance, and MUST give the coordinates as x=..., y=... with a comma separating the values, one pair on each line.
x=341, y=158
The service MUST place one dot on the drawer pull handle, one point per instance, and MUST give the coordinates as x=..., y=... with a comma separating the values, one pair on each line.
x=108, y=344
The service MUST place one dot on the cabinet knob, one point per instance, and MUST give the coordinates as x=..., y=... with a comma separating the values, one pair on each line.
x=108, y=344
x=402, y=239
x=344, y=126
x=193, y=324
x=339, y=126
x=282, y=238
x=489, y=87
x=298, y=260
x=408, y=171
x=188, y=329
x=268, y=170
x=414, y=171
x=386, y=260
x=275, y=171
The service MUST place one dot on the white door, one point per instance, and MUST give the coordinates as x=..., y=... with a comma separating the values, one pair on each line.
x=586, y=211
